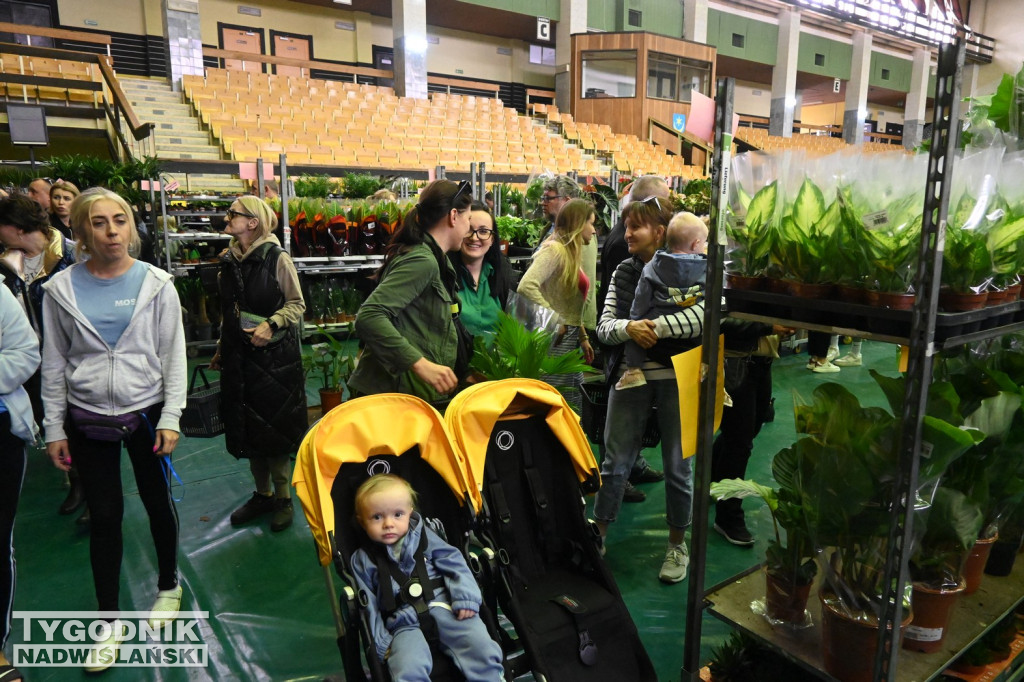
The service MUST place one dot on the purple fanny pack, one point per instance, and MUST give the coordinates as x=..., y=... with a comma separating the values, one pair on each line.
x=104, y=427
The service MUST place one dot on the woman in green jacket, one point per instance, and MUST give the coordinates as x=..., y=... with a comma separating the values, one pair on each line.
x=408, y=324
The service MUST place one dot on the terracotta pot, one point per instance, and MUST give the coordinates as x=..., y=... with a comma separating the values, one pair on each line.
x=966, y=668
x=976, y=563
x=809, y=290
x=329, y=399
x=996, y=297
x=777, y=286
x=1002, y=557
x=848, y=646
x=850, y=294
x=932, y=609
x=953, y=301
x=737, y=281
x=887, y=299
x=785, y=601
x=1013, y=292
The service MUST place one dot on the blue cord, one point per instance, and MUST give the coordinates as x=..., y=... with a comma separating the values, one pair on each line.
x=167, y=466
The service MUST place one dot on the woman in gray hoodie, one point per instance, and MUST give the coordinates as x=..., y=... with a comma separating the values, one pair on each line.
x=114, y=372
x=19, y=358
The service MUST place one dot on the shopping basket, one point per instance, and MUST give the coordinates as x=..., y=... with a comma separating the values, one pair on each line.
x=201, y=416
x=595, y=412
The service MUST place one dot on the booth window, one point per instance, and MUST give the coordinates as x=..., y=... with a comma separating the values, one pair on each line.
x=609, y=73
x=673, y=77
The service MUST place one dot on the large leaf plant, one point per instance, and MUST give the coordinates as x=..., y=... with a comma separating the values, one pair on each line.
x=806, y=237
x=515, y=351
x=751, y=235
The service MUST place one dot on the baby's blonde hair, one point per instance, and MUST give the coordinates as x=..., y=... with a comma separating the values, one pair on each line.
x=684, y=229
x=377, y=484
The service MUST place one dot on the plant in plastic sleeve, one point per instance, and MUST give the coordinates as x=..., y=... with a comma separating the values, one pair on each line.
x=750, y=224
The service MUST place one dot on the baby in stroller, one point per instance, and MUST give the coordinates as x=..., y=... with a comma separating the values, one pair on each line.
x=417, y=585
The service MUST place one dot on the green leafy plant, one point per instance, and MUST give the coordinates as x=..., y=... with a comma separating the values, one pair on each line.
x=951, y=524
x=752, y=235
x=316, y=186
x=331, y=360
x=514, y=351
x=805, y=236
x=695, y=197
x=360, y=186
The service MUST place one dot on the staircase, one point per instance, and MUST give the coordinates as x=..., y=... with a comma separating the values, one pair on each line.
x=179, y=134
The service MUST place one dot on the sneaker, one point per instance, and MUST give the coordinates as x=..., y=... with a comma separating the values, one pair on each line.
x=736, y=533
x=647, y=475
x=633, y=494
x=673, y=569
x=631, y=378
x=103, y=652
x=283, y=514
x=165, y=608
x=832, y=354
x=826, y=367
x=848, y=360
x=257, y=506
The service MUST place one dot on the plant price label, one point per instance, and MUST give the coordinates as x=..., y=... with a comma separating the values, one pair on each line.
x=919, y=634
x=876, y=220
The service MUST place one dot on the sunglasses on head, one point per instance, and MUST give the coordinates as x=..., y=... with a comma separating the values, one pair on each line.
x=232, y=214
x=464, y=188
x=653, y=200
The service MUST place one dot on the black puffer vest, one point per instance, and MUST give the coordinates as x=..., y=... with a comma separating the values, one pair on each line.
x=263, y=391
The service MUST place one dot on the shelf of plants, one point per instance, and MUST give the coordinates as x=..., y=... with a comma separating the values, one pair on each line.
x=877, y=509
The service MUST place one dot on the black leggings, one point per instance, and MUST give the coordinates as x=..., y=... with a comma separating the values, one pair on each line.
x=12, y=472
x=99, y=467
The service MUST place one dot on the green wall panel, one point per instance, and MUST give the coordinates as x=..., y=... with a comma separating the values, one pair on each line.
x=603, y=15
x=900, y=71
x=551, y=9
x=837, y=56
x=760, y=38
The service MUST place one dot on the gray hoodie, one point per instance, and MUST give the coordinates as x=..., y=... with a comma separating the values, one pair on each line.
x=147, y=366
x=19, y=358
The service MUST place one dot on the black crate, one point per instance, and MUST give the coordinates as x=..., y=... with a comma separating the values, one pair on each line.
x=201, y=416
x=595, y=412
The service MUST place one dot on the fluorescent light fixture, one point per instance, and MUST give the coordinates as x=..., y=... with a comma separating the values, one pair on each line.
x=416, y=43
x=342, y=2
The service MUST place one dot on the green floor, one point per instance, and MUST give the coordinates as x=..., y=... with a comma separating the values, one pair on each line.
x=269, y=612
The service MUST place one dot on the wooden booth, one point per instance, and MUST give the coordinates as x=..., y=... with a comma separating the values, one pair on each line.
x=637, y=82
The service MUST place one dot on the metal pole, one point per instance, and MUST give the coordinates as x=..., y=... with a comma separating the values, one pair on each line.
x=472, y=179
x=286, y=227
x=482, y=197
x=163, y=212
x=439, y=172
x=920, y=355
x=259, y=177
x=708, y=388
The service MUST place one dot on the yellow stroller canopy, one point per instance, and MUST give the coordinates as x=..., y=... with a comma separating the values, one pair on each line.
x=358, y=430
x=472, y=414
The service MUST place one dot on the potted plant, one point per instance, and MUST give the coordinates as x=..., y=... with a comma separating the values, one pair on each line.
x=751, y=236
x=335, y=366
x=789, y=562
x=515, y=351
x=804, y=242
x=846, y=464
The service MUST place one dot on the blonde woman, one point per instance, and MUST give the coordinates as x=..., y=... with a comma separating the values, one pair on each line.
x=556, y=281
x=114, y=373
x=263, y=389
x=62, y=195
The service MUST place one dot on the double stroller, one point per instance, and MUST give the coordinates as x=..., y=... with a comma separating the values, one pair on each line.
x=504, y=482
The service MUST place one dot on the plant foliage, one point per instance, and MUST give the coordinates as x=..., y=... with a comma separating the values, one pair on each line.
x=516, y=351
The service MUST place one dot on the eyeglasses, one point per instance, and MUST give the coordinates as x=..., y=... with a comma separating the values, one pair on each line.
x=653, y=199
x=232, y=214
x=464, y=186
x=481, y=233
x=550, y=197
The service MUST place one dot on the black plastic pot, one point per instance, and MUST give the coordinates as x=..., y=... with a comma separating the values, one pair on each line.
x=1004, y=553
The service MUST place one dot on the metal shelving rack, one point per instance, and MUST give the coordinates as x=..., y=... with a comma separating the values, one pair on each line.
x=993, y=601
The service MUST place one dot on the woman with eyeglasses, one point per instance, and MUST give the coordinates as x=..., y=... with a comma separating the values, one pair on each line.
x=646, y=222
x=263, y=388
x=485, y=276
x=414, y=340
x=556, y=281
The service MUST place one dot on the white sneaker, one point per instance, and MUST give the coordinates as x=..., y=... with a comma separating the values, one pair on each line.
x=631, y=378
x=103, y=652
x=848, y=360
x=673, y=569
x=826, y=367
x=832, y=354
x=165, y=608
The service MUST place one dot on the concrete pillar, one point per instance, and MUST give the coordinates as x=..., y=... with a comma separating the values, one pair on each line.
x=784, y=75
x=184, y=42
x=917, y=99
x=695, y=20
x=572, y=19
x=856, y=107
x=409, y=28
